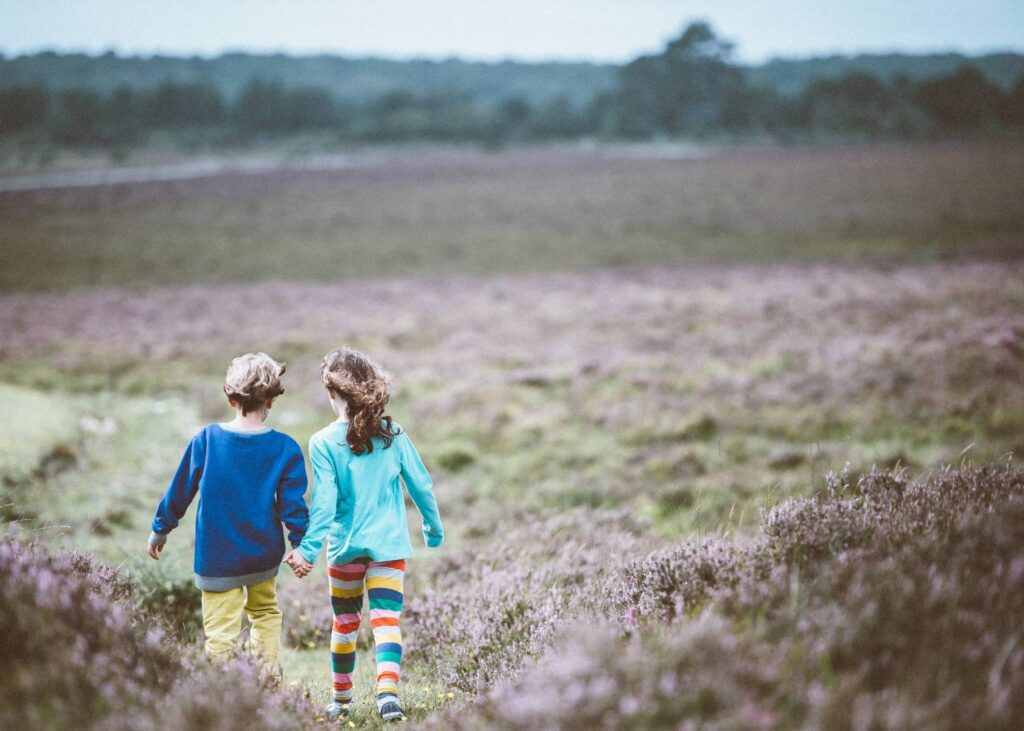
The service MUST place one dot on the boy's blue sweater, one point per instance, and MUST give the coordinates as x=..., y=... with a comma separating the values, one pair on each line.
x=248, y=484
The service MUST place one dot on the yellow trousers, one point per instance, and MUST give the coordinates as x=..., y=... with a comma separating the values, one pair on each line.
x=222, y=620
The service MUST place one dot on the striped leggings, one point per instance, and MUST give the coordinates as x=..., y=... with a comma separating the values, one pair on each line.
x=383, y=583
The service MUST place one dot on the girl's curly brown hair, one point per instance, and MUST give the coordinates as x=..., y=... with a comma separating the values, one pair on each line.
x=366, y=388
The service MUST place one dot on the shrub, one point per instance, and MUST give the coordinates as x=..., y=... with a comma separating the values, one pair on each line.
x=75, y=650
x=83, y=653
x=596, y=680
x=175, y=600
x=881, y=603
x=478, y=620
x=226, y=697
x=455, y=459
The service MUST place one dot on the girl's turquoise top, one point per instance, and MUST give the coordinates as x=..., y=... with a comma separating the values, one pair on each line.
x=357, y=503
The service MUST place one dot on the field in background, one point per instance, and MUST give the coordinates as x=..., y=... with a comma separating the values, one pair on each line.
x=722, y=333
x=444, y=212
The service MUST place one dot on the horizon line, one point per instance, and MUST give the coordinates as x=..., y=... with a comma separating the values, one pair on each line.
x=7, y=55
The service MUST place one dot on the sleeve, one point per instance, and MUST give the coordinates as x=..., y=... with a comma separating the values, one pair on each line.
x=291, y=497
x=182, y=489
x=323, y=503
x=420, y=487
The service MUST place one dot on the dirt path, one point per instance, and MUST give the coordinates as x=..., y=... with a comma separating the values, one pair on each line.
x=255, y=165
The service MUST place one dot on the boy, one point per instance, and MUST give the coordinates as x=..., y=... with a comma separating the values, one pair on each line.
x=250, y=479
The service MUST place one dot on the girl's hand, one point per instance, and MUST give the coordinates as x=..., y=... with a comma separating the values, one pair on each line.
x=154, y=551
x=299, y=565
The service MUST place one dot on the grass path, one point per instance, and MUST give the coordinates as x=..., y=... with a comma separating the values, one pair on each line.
x=310, y=670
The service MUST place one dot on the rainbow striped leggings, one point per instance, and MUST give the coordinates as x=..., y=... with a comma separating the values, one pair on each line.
x=383, y=583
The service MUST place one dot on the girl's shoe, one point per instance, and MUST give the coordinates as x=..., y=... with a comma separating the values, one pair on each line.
x=391, y=711
x=336, y=711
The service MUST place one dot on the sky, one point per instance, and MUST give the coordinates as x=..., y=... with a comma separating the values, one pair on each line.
x=532, y=30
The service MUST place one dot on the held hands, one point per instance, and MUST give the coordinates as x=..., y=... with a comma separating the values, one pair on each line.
x=300, y=566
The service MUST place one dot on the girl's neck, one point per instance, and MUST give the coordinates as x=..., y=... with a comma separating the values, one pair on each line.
x=338, y=405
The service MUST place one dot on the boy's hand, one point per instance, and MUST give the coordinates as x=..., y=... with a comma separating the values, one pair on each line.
x=156, y=544
x=299, y=565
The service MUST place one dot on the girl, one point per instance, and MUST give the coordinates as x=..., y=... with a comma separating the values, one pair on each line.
x=358, y=505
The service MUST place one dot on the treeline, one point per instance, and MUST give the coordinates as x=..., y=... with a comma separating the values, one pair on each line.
x=691, y=89
x=75, y=116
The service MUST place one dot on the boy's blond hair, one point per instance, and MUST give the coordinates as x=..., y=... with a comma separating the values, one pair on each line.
x=252, y=380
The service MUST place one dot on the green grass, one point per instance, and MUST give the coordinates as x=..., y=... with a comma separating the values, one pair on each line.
x=311, y=671
x=35, y=425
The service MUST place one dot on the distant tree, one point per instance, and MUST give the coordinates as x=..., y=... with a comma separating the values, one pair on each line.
x=183, y=105
x=685, y=89
x=455, y=116
x=396, y=115
x=125, y=105
x=124, y=115
x=857, y=102
x=80, y=117
x=961, y=101
x=636, y=106
x=22, y=108
x=1012, y=111
x=508, y=121
x=311, y=108
x=396, y=102
x=760, y=109
x=597, y=116
x=262, y=107
x=556, y=119
x=514, y=115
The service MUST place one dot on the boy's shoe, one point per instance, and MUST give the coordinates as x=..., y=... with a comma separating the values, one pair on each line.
x=391, y=711
x=336, y=711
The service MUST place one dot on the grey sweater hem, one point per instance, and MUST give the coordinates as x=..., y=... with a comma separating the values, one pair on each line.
x=227, y=583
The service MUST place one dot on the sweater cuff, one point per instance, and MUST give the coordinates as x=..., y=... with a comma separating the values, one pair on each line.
x=157, y=539
x=311, y=557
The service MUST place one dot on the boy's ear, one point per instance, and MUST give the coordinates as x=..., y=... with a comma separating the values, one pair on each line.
x=270, y=403
x=232, y=403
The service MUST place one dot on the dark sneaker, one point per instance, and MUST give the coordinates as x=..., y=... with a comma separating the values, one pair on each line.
x=391, y=711
x=336, y=711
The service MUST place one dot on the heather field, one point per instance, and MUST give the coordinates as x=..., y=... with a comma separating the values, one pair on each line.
x=429, y=213
x=719, y=442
